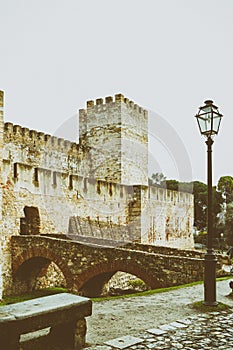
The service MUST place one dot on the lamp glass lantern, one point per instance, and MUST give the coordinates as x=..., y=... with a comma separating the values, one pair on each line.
x=209, y=119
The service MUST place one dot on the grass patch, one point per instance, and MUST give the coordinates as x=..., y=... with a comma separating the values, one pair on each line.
x=50, y=291
x=224, y=278
x=11, y=299
x=155, y=291
x=199, y=306
x=138, y=283
x=147, y=292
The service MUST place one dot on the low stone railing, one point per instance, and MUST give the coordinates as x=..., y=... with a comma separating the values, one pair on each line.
x=59, y=318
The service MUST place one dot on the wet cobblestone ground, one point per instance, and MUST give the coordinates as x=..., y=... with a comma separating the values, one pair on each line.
x=207, y=331
x=162, y=321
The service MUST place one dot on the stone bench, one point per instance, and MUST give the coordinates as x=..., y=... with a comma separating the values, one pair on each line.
x=63, y=313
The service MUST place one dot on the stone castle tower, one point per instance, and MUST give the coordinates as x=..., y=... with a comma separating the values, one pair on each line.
x=116, y=132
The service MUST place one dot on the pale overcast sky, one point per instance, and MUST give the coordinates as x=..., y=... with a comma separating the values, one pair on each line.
x=166, y=55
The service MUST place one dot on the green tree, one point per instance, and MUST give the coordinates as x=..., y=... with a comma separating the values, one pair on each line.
x=228, y=229
x=225, y=186
x=200, y=192
x=217, y=209
x=172, y=185
x=200, y=205
x=157, y=179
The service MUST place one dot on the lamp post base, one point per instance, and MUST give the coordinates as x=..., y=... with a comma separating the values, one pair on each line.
x=214, y=303
x=210, y=279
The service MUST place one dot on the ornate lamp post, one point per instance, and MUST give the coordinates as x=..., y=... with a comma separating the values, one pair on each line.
x=209, y=119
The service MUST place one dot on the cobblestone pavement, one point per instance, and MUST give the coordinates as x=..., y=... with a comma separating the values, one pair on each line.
x=162, y=321
x=211, y=331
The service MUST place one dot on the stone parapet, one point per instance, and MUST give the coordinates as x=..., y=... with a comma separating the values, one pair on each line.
x=23, y=136
x=118, y=98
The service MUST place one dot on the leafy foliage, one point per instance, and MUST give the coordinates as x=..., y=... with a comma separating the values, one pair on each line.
x=225, y=186
x=157, y=179
x=172, y=185
x=200, y=205
x=229, y=224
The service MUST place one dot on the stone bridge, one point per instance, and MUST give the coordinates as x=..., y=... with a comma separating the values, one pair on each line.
x=87, y=268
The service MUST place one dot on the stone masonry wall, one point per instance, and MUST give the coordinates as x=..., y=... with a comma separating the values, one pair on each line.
x=58, y=202
x=167, y=218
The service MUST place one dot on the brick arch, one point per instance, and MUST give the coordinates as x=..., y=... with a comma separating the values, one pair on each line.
x=41, y=252
x=117, y=265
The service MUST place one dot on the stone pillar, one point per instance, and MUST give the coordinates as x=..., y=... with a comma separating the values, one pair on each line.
x=70, y=335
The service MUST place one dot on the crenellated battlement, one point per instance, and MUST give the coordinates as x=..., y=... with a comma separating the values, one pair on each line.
x=24, y=136
x=109, y=100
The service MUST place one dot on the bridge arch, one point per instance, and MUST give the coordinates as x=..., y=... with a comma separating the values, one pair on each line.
x=92, y=280
x=28, y=265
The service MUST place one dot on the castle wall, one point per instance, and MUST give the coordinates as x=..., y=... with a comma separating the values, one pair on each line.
x=37, y=173
x=159, y=216
x=167, y=218
x=58, y=196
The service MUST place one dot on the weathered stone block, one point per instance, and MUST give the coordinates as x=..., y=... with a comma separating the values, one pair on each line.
x=64, y=313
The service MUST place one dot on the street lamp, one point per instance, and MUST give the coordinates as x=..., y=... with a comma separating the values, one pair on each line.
x=209, y=119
